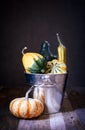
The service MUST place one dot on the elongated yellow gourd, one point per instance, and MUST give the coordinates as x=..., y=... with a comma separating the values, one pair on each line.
x=61, y=51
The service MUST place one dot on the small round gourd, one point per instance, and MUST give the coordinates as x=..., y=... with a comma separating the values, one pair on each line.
x=25, y=107
x=56, y=67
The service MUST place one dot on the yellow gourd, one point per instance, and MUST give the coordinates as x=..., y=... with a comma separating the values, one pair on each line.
x=33, y=62
x=61, y=51
x=56, y=67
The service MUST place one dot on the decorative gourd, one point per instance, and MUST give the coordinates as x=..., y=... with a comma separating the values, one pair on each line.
x=61, y=51
x=26, y=107
x=56, y=67
x=46, y=52
x=33, y=62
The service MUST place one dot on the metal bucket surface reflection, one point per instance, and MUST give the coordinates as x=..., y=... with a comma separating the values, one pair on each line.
x=49, y=89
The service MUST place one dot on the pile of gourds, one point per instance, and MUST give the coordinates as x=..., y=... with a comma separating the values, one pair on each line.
x=43, y=63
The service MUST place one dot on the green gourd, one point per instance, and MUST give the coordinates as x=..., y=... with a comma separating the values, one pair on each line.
x=46, y=52
x=33, y=62
x=56, y=67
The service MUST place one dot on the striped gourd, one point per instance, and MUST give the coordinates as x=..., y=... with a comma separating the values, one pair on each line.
x=56, y=67
x=25, y=107
x=33, y=62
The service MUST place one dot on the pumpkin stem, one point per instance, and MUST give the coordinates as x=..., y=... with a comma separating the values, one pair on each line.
x=58, y=38
x=23, y=50
x=27, y=93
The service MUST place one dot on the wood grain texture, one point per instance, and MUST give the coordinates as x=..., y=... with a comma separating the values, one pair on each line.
x=69, y=117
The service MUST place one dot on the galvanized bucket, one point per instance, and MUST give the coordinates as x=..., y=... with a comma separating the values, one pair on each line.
x=49, y=88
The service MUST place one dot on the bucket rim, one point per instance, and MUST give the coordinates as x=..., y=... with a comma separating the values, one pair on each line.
x=45, y=74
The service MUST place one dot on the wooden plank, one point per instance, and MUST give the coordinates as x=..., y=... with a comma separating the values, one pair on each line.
x=66, y=119
x=81, y=115
x=45, y=122
x=72, y=121
x=41, y=123
x=7, y=121
x=66, y=105
x=58, y=121
x=77, y=99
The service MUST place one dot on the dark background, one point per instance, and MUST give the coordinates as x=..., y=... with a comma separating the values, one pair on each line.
x=29, y=23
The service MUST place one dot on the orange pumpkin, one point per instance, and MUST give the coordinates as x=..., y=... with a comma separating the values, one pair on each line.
x=25, y=107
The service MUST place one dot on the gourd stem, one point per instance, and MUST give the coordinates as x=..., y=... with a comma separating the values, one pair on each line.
x=23, y=50
x=27, y=93
x=58, y=38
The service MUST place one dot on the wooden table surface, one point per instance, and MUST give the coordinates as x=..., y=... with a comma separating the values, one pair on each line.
x=70, y=117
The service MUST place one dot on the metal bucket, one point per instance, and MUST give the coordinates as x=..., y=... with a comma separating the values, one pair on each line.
x=49, y=88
